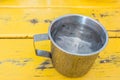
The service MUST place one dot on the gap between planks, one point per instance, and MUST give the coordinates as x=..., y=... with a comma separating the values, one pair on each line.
x=27, y=36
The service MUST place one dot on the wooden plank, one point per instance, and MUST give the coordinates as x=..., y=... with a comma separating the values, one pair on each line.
x=37, y=3
x=19, y=62
x=29, y=21
x=20, y=20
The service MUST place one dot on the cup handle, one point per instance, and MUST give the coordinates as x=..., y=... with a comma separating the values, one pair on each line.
x=41, y=37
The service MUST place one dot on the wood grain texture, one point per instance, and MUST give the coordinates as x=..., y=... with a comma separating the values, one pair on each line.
x=18, y=61
x=20, y=20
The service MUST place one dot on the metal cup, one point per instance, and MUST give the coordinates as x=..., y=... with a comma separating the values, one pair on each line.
x=76, y=41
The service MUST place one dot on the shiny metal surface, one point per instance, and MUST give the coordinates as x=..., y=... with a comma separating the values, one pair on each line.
x=75, y=43
x=78, y=35
x=78, y=38
x=71, y=65
x=41, y=37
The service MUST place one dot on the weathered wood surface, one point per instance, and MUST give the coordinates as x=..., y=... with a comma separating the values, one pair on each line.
x=20, y=20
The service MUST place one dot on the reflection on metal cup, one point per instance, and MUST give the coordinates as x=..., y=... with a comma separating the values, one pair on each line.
x=76, y=41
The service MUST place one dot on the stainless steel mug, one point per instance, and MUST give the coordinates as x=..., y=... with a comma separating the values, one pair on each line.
x=76, y=41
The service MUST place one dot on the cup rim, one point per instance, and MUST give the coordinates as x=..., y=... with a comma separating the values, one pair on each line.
x=78, y=54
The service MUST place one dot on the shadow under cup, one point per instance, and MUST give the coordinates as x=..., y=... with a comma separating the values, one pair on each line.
x=78, y=35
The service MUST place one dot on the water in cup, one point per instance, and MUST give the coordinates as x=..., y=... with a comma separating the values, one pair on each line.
x=77, y=38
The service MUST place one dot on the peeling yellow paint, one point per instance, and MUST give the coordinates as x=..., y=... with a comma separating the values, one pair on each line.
x=20, y=20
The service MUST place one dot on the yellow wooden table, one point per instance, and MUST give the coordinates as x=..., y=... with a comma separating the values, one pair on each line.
x=21, y=19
